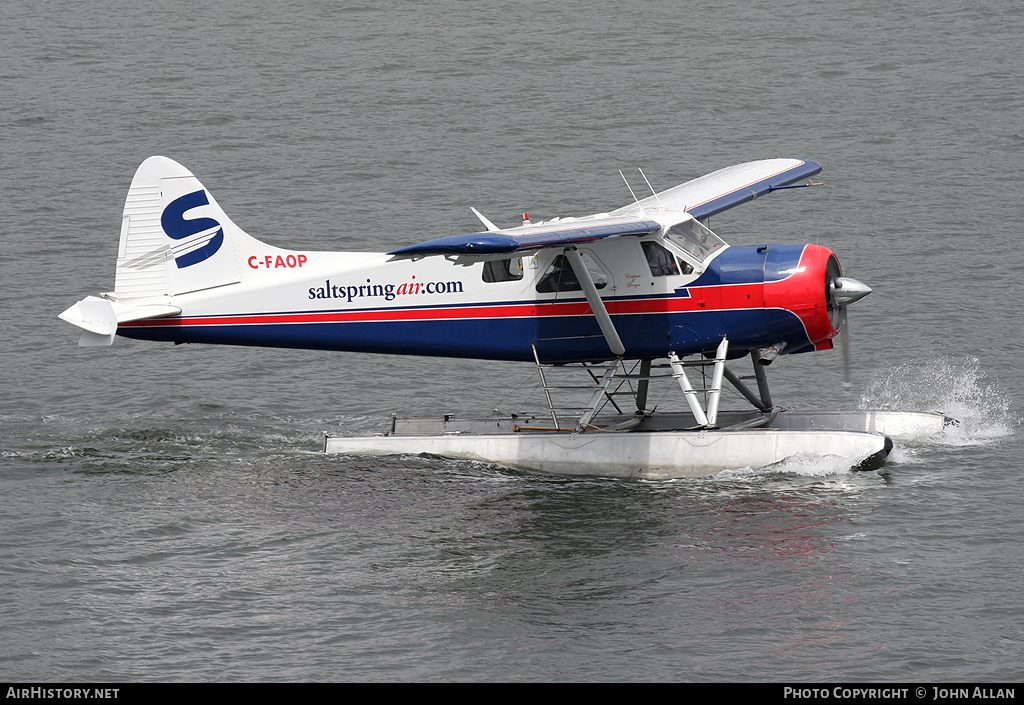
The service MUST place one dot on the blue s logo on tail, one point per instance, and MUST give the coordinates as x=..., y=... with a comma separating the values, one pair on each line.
x=200, y=239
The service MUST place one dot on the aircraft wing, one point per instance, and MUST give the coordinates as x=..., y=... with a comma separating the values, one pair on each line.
x=702, y=198
x=718, y=191
x=529, y=239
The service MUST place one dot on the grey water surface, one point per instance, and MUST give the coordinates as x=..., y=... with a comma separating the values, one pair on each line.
x=166, y=514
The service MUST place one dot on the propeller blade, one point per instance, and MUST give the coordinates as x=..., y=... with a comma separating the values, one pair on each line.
x=845, y=329
x=842, y=292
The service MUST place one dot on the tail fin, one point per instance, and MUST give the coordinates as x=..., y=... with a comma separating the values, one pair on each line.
x=163, y=253
x=175, y=239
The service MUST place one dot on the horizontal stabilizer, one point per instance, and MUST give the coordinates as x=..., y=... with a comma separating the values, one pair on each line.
x=520, y=240
x=98, y=318
x=92, y=314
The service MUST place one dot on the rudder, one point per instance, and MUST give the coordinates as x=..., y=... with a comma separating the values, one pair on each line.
x=175, y=238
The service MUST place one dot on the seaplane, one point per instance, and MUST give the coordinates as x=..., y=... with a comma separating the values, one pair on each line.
x=603, y=306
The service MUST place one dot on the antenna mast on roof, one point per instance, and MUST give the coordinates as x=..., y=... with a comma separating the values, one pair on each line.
x=631, y=192
x=660, y=205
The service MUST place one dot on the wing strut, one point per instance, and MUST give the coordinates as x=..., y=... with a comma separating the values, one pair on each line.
x=594, y=299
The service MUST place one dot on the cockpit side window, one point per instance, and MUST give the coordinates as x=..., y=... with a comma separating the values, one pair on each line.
x=560, y=276
x=695, y=239
x=662, y=262
x=503, y=270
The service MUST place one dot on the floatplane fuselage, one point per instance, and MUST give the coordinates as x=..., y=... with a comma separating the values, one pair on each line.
x=647, y=282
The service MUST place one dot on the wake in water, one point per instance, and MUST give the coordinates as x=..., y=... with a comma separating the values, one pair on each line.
x=958, y=389
x=799, y=464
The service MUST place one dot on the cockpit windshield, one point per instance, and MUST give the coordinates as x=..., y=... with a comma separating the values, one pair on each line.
x=695, y=239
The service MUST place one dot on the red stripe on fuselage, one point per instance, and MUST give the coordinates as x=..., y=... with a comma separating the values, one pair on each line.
x=701, y=299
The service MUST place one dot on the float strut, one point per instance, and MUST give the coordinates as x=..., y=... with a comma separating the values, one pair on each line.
x=642, y=386
x=762, y=381
x=688, y=391
x=715, y=394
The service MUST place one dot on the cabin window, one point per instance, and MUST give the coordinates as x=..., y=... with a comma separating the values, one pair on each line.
x=503, y=270
x=695, y=239
x=661, y=261
x=560, y=277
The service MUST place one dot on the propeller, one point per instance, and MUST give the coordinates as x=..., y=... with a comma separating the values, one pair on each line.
x=840, y=292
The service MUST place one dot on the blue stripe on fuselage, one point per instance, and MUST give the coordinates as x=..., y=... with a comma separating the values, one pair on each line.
x=559, y=339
